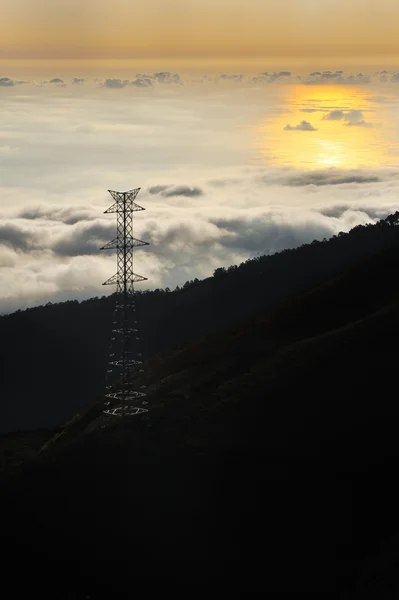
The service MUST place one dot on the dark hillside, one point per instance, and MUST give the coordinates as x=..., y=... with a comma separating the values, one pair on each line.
x=53, y=357
x=271, y=451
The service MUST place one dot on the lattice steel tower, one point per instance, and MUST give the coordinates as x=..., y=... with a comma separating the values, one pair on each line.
x=125, y=358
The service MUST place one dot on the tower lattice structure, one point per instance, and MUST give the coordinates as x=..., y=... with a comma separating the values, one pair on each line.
x=124, y=397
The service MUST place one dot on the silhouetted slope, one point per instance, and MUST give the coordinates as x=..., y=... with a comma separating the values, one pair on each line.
x=272, y=448
x=53, y=357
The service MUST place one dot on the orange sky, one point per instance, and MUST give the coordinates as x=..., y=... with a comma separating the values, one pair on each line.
x=199, y=29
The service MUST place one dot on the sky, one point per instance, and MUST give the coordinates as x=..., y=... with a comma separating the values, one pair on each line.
x=198, y=29
x=249, y=127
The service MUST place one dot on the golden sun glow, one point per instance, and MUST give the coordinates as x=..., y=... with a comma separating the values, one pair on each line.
x=325, y=126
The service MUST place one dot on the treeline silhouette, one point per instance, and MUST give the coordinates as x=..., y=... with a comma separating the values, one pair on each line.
x=269, y=461
x=53, y=357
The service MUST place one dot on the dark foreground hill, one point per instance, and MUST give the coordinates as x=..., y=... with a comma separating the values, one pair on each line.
x=268, y=465
x=53, y=357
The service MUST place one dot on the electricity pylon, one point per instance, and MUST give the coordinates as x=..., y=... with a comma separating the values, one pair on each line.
x=124, y=397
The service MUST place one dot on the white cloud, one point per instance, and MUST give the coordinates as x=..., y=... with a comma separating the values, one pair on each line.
x=211, y=200
x=58, y=249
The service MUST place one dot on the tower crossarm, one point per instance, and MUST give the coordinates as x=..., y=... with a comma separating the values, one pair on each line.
x=124, y=202
x=121, y=244
x=116, y=279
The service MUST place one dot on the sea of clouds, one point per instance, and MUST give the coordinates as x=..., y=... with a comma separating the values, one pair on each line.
x=210, y=198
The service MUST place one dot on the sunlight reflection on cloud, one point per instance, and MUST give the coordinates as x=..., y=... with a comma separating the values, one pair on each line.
x=221, y=180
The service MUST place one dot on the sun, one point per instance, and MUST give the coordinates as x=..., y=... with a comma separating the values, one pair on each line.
x=306, y=135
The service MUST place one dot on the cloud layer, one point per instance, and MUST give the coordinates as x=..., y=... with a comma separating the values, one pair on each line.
x=211, y=197
x=48, y=253
x=388, y=78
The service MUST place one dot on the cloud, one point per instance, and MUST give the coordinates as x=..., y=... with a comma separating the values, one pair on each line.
x=279, y=75
x=381, y=100
x=16, y=237
x=77, y=278
x=354, y=118
x=243, y=235
x=143, y=82
x=361, y=123
x=334, y=115
x=207, y=205
x=232, y=77
x=326, y=178
x=84, y=239
x=68, y=216
x=169, y=240
x=270, y=232
x=328, y=75
x=158, y=189
x=259, y=79
x=337, y=211
x=145, y=76
x=354, y=115
x=168, y=77
x=8, y=257
x=238, y=220
x=57, y=81
x=336, y=78
x=303, y=126
x=115, y=83
x=7, y=82
x=76, y=239
x=138, y=82
x=182, y=190
x=361, y=78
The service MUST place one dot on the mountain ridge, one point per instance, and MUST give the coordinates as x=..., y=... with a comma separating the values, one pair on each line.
x=271, y=447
